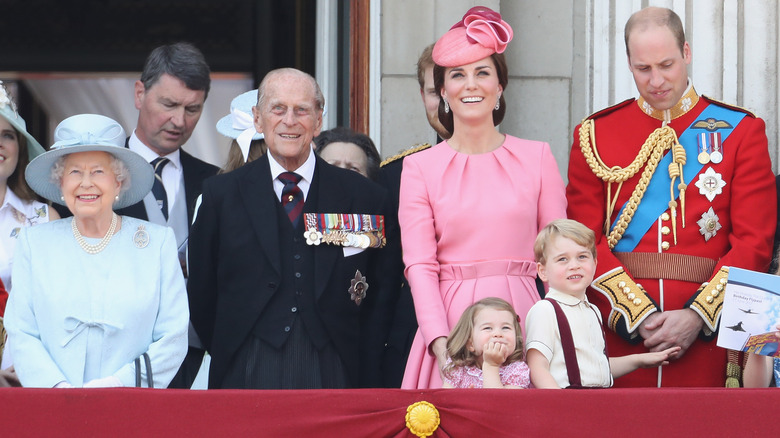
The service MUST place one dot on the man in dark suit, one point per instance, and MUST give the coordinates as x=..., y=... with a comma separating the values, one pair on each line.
x=169, y=98
x=276, y=309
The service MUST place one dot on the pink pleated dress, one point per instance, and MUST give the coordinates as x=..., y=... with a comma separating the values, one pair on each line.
x=468, y=225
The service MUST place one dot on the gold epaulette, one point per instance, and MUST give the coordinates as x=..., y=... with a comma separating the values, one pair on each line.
x=610, y=109
x=410, y=151
x=628, y=299
x=708, y=300
x=730, y=106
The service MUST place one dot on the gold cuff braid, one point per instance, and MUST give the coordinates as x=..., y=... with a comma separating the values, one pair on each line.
x=708, y=300
x=627, y=298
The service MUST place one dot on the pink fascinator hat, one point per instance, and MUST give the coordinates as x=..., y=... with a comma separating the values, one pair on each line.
x=478, y=35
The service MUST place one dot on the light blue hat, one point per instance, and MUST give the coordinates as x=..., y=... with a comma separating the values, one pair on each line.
x=8, y=112
x=239, y=124
x=85, y=133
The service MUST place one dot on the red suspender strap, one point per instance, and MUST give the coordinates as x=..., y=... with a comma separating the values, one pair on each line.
x=569, y=354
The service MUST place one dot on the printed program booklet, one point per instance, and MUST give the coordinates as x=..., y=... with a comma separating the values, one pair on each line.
x=751, y=312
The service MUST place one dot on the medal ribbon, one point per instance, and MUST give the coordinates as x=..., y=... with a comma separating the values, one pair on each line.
x=353, y=223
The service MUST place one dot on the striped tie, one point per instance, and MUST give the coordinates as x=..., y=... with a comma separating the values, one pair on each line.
x=158, y=189
x=292, y=196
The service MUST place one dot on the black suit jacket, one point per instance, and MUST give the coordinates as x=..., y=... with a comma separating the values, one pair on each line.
x=235, y=267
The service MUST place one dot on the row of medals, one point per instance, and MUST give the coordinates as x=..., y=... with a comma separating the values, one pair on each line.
x=366, y=239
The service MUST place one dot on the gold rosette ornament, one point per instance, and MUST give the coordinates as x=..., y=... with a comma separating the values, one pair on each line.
x=422, y=419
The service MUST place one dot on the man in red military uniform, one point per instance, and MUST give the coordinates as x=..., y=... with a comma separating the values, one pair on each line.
x=676, y=187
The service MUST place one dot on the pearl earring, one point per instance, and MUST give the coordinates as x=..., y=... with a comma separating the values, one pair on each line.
x=116, y=198
x=446, y=106
x=62, y=198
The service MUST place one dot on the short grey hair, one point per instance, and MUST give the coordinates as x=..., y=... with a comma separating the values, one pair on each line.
x=121, y=172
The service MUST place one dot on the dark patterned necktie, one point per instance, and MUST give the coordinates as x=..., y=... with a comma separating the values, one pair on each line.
x=292, y=196
x=158, y=189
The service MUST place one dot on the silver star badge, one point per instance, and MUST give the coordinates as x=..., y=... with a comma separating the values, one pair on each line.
x=709, y=224
x=710, y=184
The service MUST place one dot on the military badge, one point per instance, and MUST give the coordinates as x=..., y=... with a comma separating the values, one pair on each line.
x=358, y=287
x=709, y=224
x=350, y=230
x=141, y=237
x=313, y=237
x=717, y=156
x=710, y=184
x=711, y=124
x=704, y=148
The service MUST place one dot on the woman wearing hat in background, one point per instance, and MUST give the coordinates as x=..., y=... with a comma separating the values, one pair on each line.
x=471, y=206
x=248, y=144
x=95, y=292
x=19, y=206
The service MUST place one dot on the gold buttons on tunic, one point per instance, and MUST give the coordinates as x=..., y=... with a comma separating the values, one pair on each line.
x=637, y=301
x=709, y=300
x=631, y=296
x=665, y=230
x=621, y=284
x=665, y=216
x=665, y=246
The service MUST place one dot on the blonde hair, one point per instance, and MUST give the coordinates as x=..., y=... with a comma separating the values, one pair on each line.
x=236, y=158
x=570, y=229
x=458, y=341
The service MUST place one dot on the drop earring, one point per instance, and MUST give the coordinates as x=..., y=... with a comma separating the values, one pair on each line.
x=498, y=103
x=446, y=106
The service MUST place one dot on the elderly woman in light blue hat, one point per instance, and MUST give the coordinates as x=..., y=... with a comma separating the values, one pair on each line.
x=247, y=144
x=95, y=292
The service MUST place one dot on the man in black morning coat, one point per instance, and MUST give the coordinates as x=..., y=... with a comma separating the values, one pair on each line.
x=274, y=311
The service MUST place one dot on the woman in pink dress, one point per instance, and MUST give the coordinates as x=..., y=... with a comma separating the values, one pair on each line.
x=471, y=206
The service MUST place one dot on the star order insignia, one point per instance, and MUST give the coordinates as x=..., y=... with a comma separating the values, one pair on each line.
x=358, y=288
x=710, y=184
x=709, y=224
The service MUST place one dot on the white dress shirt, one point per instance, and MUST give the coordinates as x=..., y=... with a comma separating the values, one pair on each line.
x=172, y=174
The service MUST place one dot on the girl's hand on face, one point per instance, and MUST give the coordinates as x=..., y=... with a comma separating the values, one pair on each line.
x=494, y=353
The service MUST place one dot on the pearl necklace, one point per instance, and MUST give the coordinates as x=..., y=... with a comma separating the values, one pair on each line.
x=94, y=249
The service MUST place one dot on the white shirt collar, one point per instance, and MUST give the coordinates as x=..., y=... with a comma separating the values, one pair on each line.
x=136, y=145
x=12, y=200
x=563, y=298
x=306, y=170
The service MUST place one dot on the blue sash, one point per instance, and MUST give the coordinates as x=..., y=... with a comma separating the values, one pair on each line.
x=656, y=199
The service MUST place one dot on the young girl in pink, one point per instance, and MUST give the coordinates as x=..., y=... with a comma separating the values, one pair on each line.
x=485, y=348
